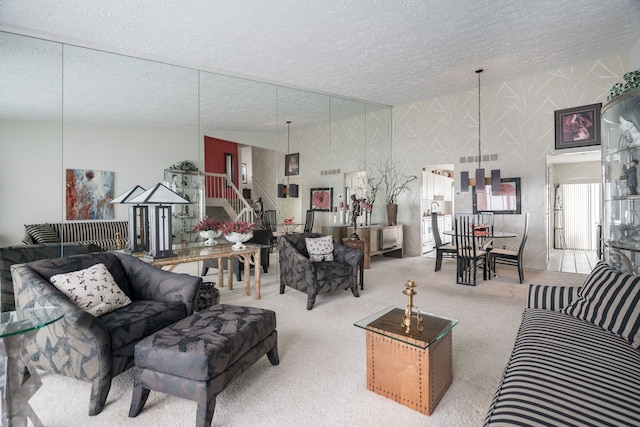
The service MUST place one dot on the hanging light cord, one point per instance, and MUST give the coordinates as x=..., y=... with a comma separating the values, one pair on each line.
x=288, y=135
x=479, y=117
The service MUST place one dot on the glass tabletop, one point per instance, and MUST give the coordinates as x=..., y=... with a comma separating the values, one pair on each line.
x=21, y=321
x=387, y=322
x=495, y=234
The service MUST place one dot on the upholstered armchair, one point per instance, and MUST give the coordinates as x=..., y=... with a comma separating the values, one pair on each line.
x=313, y=278
x=96, y=349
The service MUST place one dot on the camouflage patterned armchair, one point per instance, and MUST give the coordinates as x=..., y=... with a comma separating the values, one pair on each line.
x=313, y=278
x=96, y=349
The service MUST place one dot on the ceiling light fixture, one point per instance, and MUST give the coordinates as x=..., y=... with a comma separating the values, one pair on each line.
x=480, y=180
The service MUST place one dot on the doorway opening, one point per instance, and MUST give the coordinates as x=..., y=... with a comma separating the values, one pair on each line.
x=575, y=211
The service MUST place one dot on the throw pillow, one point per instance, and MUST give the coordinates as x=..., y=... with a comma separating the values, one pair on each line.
x=320, y=248
x=611, y=300
x=93, y=289
x=43, y=233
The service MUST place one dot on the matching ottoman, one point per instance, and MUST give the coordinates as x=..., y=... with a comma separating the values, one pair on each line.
x=196, y=357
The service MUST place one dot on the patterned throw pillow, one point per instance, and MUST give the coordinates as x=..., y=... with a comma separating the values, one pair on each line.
x=611, y=300
x=43, y=233
x=320, y=248
x=93, y=290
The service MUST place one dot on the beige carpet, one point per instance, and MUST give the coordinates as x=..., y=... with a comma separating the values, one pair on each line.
x=321, y=379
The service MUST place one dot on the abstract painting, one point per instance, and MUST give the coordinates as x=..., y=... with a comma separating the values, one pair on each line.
x=88, y=194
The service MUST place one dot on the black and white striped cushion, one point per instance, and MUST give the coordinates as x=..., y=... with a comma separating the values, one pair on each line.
x=611, y=300
x=43, y=233
x=551, y=297
x=567, y=372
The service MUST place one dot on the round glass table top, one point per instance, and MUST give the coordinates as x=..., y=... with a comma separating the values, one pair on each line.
x=25, y=320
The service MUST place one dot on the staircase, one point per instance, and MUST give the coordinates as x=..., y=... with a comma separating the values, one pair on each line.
x=224, y=200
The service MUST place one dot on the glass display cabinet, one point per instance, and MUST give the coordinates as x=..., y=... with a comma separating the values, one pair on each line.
x=189, y=185
x=620, y=156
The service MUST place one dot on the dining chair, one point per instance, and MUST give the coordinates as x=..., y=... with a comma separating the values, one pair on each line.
x=308, y=223
x=269, y=221
x=484, y=221
x=442, y=250
x=509, y=257
x=469, y=257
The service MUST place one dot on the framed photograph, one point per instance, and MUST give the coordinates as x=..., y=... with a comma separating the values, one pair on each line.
x=322, y=199
x=243, y=173
x=578, y=126
x=292, y=164
x=505, y=201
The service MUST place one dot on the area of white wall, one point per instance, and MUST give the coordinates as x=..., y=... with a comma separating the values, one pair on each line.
x=517, y=124
x=634, y=57
x=33, y=192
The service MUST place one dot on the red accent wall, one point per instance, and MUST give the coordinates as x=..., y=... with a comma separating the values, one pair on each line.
x=214, y=151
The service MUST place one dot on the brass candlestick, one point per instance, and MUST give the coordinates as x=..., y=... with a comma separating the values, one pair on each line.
x=408, y=311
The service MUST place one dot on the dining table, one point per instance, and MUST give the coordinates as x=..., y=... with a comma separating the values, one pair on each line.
x=486, y=237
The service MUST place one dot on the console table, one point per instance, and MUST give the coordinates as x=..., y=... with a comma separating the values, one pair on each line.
x=384, y=240
x=412, y=369
x=196, y=252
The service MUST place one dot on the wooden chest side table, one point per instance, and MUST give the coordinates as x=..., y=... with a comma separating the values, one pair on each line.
x=412, y=369
x=362, y=247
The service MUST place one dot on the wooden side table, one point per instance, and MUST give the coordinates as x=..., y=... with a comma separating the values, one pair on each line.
x=412, y=369
x=359, y=245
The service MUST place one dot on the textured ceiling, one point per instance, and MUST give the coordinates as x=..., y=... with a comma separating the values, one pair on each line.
x=389, y=52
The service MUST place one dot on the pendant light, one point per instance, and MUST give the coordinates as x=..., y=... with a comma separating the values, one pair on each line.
x=479, y=174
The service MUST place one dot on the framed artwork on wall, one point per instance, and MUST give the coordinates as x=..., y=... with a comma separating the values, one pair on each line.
x=505, y=201
x=243, y=173
x=292, y=164
x=321, y=199
x=578, y=126
x=89, y=193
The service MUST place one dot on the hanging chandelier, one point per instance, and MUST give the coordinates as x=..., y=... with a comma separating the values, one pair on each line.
x=480, y=180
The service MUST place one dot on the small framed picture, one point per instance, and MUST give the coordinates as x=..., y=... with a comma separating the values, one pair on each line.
x=292, y=164
x=578, y=126
x=322, y=199
x=243, y=173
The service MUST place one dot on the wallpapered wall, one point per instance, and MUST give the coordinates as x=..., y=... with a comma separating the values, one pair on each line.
x=517, y=124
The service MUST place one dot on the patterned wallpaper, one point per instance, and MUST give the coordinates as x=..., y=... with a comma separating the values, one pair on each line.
x=517, y=124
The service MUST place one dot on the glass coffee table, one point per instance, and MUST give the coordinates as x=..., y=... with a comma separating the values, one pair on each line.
x=413, y=369
x=17, y=329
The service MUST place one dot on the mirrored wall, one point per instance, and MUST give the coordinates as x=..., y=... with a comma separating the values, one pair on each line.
x=67, y=107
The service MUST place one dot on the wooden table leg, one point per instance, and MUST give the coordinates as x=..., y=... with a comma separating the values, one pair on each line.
x=247, y=273
x=257, y=272
x=220, y=273
x=230, y=271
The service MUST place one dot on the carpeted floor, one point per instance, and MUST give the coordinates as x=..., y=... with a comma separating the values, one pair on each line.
x=321, y=379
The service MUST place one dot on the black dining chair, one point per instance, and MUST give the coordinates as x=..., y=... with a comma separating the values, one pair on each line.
x=469, y=257
x=509, y=257
x=269, y=222
x=308, y=223
x=442, y=250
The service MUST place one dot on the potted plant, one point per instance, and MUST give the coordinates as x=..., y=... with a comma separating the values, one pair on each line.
x=210, y=229
x=237, y=232
x=395, y=182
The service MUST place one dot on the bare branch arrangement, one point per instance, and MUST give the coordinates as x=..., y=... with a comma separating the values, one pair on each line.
x=395, y=182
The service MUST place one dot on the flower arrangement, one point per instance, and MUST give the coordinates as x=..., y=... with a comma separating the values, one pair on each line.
x=207, y=224
x=240, y=227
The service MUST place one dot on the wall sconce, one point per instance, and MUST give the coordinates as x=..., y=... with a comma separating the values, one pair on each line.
x=138, y=224
x=160, y=199
x=480, y=181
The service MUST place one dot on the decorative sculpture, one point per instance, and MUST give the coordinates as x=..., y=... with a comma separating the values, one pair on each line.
x=408, y=311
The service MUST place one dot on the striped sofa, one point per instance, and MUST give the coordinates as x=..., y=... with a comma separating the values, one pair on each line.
x=101, y=233
x=576, y=359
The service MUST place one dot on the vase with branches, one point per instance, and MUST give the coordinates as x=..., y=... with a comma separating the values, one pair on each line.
x=395, y=182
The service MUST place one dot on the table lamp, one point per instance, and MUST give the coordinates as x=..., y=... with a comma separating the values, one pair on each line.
x=159, y=200
x=138, y=225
